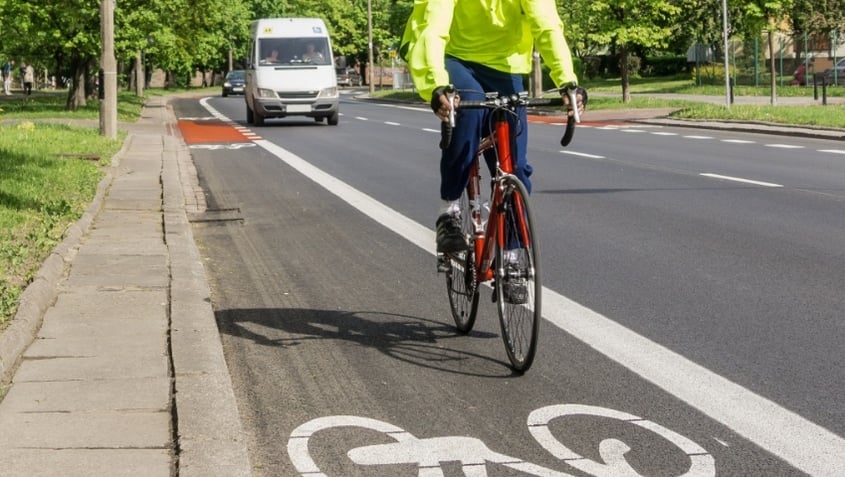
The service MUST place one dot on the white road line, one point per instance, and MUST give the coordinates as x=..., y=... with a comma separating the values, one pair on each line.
x=391, y=123
x=361, y=118
x=738, y=141
x=582, y=154
x=698, y=137
x=804, y=444
x=739, y=179
x=632, y=130
x=431, y=130
x=785, y=146
x=662, y=133
x=833, y=151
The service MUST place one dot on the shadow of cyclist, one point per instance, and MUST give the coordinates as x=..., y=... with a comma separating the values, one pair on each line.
x=406, y=338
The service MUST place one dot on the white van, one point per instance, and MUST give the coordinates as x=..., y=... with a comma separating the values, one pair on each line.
x=290, y=71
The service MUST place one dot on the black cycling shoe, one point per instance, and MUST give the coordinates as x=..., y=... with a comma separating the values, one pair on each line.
x=450, y=237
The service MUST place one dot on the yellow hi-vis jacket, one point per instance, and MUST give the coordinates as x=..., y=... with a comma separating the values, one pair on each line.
x=499, y=34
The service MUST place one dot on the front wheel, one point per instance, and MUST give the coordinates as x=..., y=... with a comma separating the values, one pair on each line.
x=517, y=277
x=461, y=279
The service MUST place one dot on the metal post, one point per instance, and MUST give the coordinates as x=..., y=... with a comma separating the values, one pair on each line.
x=370, y=46
x=727, y=63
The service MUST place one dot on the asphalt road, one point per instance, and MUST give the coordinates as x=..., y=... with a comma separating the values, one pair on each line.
x=693, y=302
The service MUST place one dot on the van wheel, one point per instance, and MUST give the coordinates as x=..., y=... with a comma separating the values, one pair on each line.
x=333, y=119
x=250, y=118
x=259, y=119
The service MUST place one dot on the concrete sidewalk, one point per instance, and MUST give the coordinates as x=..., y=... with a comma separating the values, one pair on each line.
x=114, y=357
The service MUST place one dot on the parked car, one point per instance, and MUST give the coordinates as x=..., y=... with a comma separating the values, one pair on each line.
x=234, y=83
x=348, y=77
x=840, y=73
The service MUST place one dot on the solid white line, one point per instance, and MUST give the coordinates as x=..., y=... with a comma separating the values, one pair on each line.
x=804, y=444
x=833, y=151
x=582, y=154
x=739, y=179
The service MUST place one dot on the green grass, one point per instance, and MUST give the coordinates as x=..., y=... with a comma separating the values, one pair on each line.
x=51, y=104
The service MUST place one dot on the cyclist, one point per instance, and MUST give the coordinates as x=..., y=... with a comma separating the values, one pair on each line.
x=479, y=46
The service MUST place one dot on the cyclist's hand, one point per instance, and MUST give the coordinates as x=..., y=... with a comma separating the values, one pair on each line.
x=580, y=98
x=440, y=101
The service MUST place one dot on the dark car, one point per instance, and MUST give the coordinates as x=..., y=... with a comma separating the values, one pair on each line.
x=234, y=83
x=840, y=73
x=348, y=77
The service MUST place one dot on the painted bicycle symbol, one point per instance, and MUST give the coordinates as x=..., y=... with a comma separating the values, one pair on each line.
x=473, y=455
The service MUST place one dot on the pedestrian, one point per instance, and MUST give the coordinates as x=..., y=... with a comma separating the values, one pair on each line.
x=28, y=78
x=7, y=76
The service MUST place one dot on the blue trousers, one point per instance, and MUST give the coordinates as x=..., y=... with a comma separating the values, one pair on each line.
x=472, y=80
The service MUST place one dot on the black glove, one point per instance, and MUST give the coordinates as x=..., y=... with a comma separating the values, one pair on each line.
x=578, y=90
x=437, y=94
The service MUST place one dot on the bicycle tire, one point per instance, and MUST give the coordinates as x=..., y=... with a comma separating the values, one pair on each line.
x=461, y=279
x=519, y=318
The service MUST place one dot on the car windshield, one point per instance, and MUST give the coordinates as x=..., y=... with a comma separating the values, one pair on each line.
x=294, y=51
x=235, y=75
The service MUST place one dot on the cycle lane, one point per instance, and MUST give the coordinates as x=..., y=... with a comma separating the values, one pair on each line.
x=611, y=393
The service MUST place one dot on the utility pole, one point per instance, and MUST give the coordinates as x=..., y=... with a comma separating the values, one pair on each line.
x=108, y=72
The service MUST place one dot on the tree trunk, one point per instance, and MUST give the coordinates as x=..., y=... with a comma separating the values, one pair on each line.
x=76, y=94
x=623, y=67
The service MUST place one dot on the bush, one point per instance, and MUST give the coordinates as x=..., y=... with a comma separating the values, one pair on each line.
x=712, y=73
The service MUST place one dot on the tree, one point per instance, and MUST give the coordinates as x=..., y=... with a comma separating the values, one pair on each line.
x=623, y=25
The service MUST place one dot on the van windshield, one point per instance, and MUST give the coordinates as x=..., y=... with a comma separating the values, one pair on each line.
x=293, y=51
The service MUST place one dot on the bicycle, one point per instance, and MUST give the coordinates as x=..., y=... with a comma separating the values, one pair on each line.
x=502, y=245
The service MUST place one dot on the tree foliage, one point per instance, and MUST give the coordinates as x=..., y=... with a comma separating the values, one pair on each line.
x=62, y=37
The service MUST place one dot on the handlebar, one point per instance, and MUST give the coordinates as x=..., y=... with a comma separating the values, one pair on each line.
x=496, y=101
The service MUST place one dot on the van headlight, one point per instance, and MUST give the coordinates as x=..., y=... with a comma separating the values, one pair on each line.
x=328, y=92
x=266, y=93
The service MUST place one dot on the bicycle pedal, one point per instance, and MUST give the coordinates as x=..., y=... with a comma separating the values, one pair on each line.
x=442, y=263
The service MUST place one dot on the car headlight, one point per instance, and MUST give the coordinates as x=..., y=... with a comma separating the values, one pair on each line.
x=227, y=84
x=266, y=93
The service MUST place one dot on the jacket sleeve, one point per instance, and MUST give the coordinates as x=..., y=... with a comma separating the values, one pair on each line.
x=425, y=37
x=547, y=30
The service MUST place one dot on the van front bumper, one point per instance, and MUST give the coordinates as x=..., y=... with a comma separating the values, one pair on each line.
x=296, y=104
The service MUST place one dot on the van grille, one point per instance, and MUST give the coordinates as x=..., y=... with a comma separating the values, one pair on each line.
x=297, y=94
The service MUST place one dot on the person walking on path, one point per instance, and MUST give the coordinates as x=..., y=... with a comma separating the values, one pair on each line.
x=7, y=76
x=28, y=78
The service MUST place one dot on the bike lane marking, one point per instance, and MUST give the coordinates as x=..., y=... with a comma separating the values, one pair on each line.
x=802, y=443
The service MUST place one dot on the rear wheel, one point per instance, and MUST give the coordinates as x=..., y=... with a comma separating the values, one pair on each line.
x=461, y=279
x=517, y=276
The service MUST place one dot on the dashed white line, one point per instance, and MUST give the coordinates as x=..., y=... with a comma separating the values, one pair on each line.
x=361, y=118
x=698, y=137
x=662, y=133
x=632, y=130
x=785, y=146
x=391, y=123
x=582, y=154
x=739, y=179
x=739, y=141
x=431, y=130
x=833, y=151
